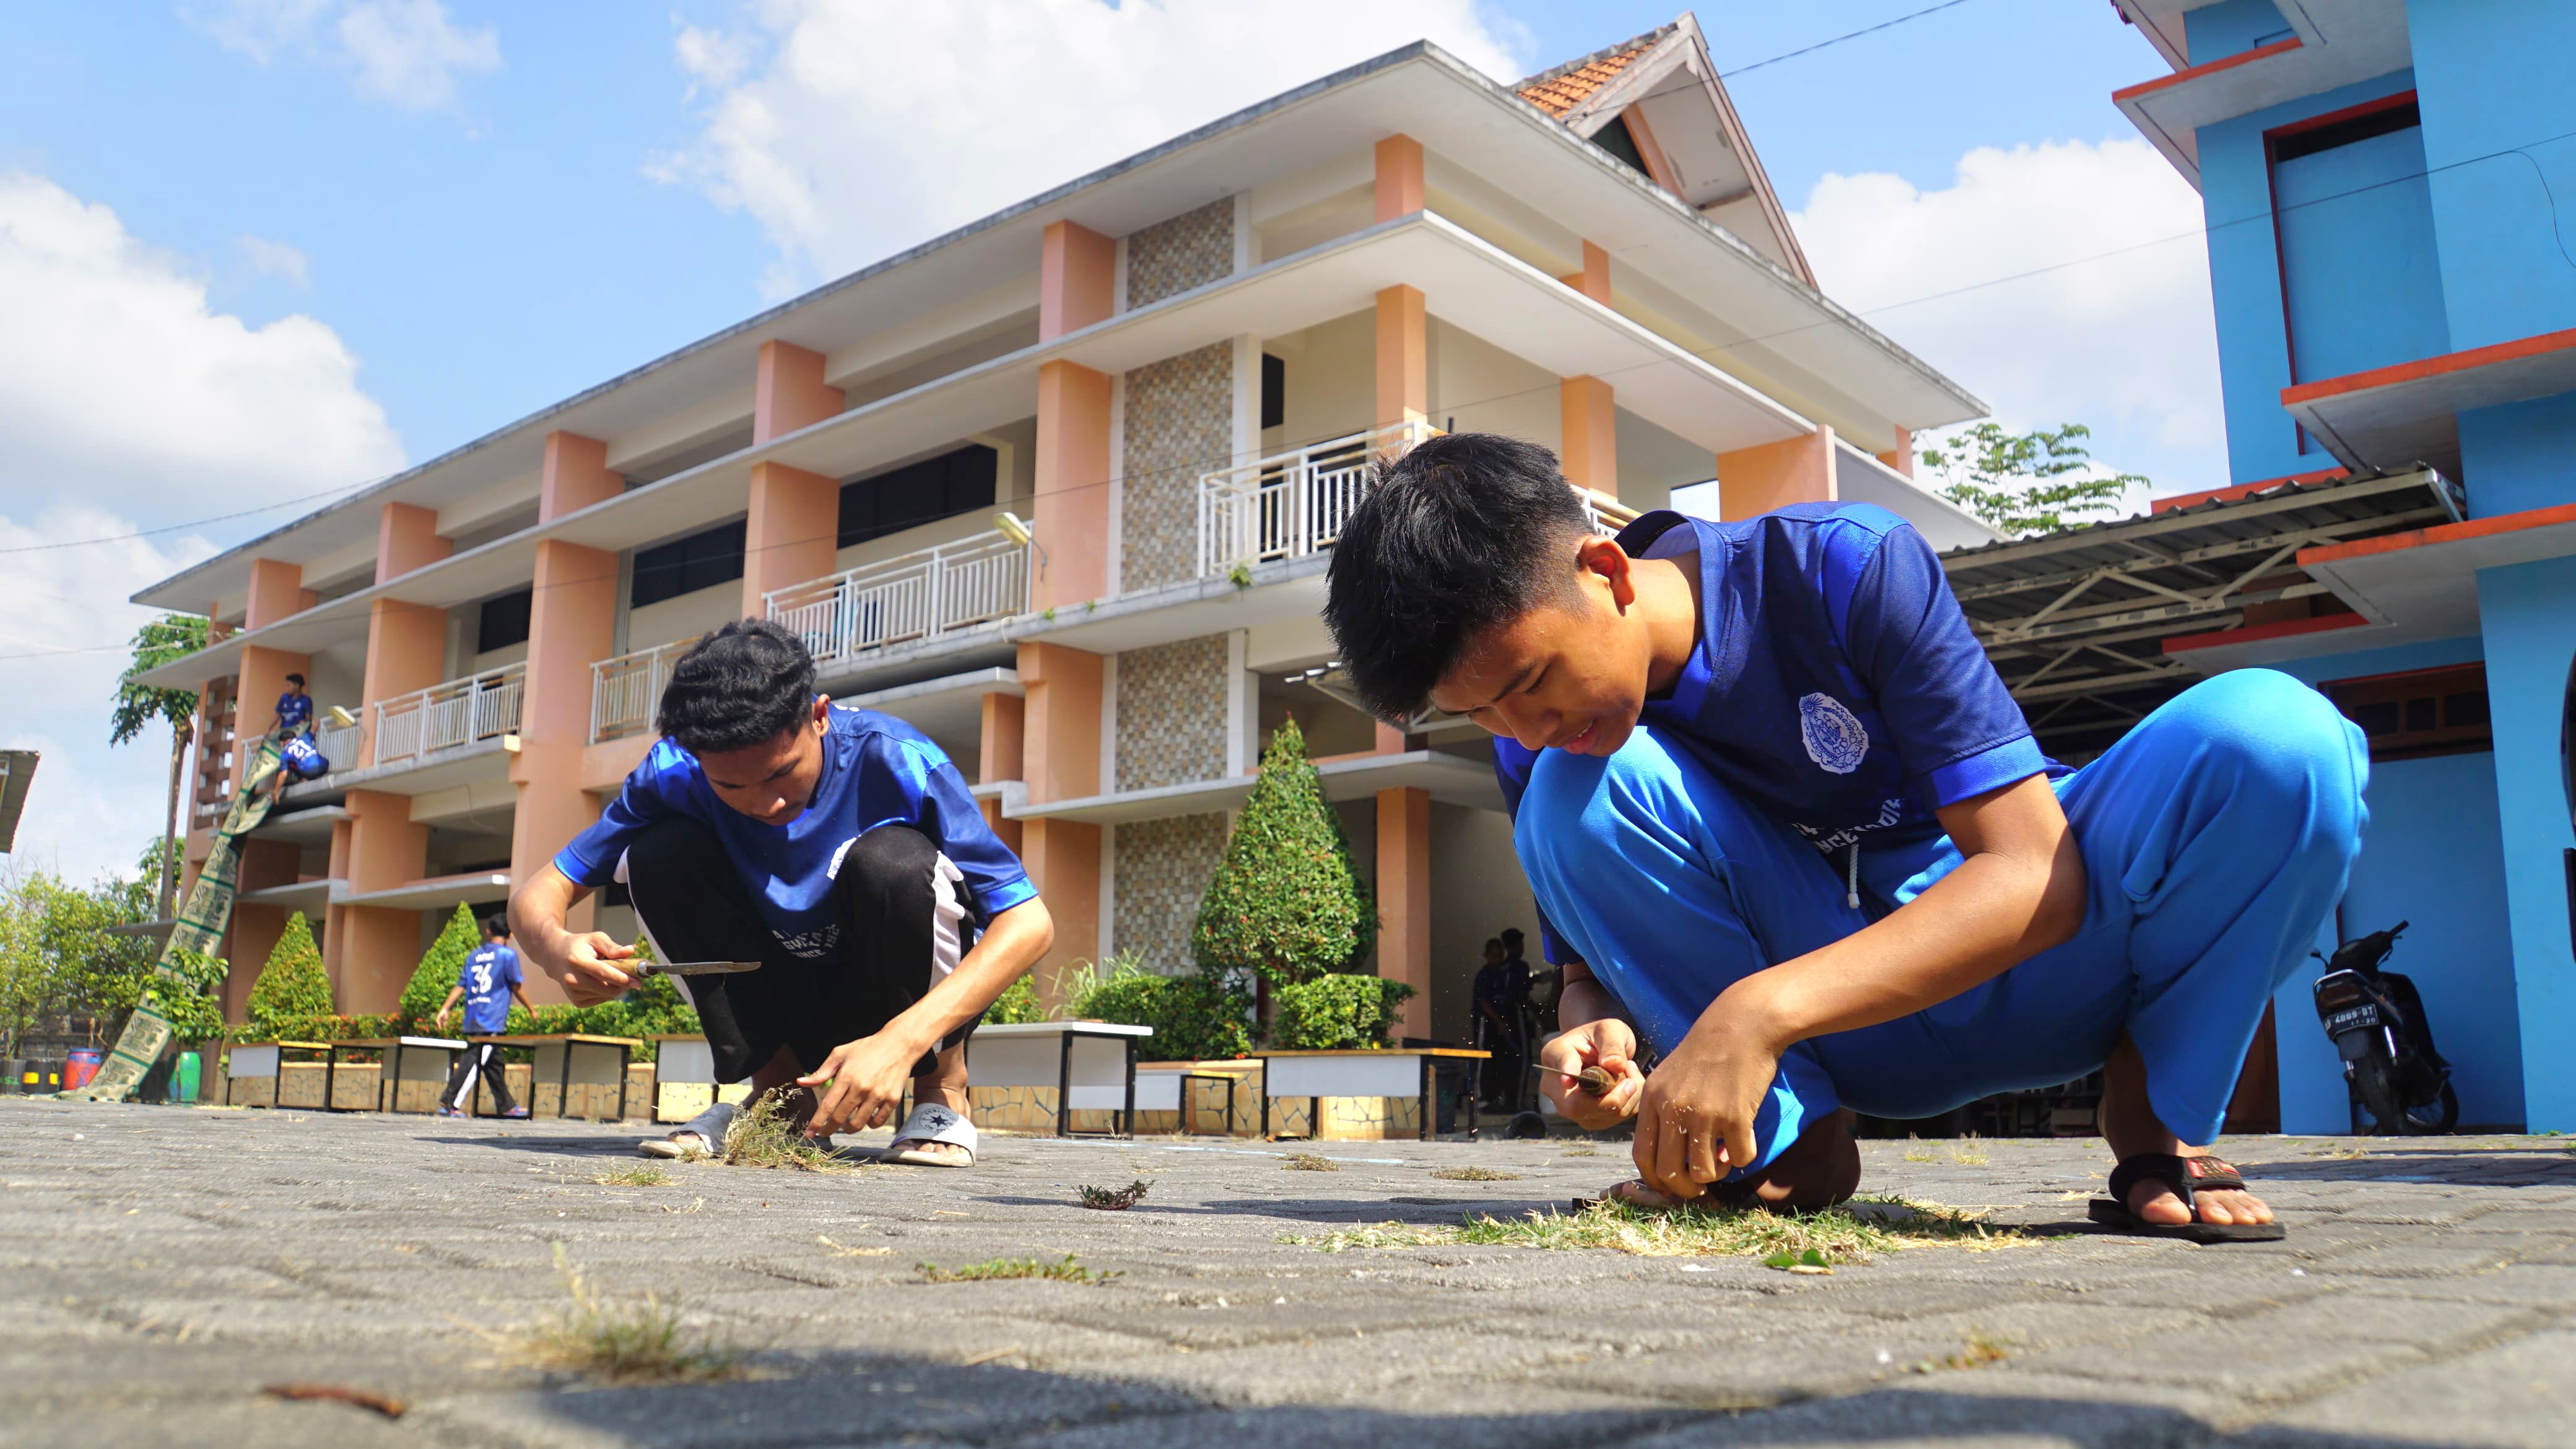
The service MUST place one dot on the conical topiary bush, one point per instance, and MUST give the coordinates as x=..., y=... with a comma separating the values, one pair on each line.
x=1286, y=904
x=291, y=987
x=439, y=968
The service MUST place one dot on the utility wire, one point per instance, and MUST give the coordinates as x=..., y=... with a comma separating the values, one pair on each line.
x=1839, y=39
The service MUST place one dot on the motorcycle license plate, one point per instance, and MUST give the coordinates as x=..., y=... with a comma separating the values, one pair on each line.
x=2356, y=1018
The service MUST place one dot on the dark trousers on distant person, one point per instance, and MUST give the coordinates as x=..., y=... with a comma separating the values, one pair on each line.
x=899, y=927
x=480, y=1061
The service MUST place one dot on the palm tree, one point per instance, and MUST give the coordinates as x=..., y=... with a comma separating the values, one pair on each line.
x=172, y=636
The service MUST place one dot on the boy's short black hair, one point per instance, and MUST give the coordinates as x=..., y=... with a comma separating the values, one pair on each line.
x=1512, y=937
x=1493, y=943
x=296, y=680
x=738, y=687
x=497, y=925
x=1461, y=534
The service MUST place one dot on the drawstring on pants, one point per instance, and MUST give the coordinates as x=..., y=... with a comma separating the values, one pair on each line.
x=1851, y=888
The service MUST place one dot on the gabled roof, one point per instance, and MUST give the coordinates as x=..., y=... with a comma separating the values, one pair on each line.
x=1664, y=89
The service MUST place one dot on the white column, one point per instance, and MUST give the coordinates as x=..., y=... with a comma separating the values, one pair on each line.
x=1246, y=437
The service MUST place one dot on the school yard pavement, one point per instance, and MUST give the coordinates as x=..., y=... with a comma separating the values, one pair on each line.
x=159, y=1266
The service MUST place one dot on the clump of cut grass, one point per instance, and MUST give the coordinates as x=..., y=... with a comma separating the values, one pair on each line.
x=1915, y=1151
x=762, y=1136
x=994, y=1270
x=623, y=1340
x=1834, y=1235
x=1969, y=1152
x=844, y=1250
x=1114, y=1199
x=1581, y=1152
x=1475, y=1174
x=642, y=1174
x=1982, y=1349
x=2344, y=1153
x=1310, y=1162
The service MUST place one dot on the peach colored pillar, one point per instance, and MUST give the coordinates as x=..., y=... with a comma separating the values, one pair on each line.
x=1000, y=755
x=792, y=533
x=252, y=935
x=1077, y=279
x=263, y=679
x=1060, y=758
x=1403, y=357
x=1404, y=902
x=377, y=947
x=335, y=918
x=276, y=591
x=1594, y=280
x=1901, y=457
x=406, y=650
x=1399, y=177
x=407, y=538
x=576, y=476
x=1589, y=423
x=1072, y=466
x=572, y=624
x=1775, y=475
x=790, y=393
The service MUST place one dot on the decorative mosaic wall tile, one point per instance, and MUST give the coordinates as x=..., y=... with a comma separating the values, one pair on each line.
x=1190, y=250
x=1171, y=713
x=1180, y=423
x=1163, y=870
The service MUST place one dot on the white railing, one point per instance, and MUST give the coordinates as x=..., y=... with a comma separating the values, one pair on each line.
x=339, y=744
x=626, y=690
x=444, y=716
x=1291, y=504
x=918, y=595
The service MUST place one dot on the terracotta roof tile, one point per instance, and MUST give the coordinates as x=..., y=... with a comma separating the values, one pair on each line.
x=1560, y=90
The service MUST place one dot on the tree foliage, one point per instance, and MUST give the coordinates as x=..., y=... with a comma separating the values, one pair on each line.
x=172, y=636
x=292, y=985
x=1336, y=1013
x=193, y=1004
x=2028, y=483
x=1197, y=1017
x=1286, y=904
x=57, y=956
x=439, y=968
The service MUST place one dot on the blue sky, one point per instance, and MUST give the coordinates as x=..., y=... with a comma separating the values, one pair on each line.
x=324, y=238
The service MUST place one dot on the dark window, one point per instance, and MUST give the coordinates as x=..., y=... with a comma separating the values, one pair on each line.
x=1614, y=138
x=1274, y=392
x=2290, y=145
x=917, y=493
x=686, y=565
x=2419, y=712
x=503, y=622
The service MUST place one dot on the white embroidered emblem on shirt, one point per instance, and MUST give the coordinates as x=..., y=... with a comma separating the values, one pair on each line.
x=1834, y=738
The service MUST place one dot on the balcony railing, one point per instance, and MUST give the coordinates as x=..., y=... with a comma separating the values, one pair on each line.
x=626, y=690
x=1291, y=504
x=340, y=744
x=444, y=716
x=918, y=595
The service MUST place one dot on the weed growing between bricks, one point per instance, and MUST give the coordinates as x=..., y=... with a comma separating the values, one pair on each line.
x=1835, y=1235
x=643, y=1174
x=762, y=1136
x=1475, y=1174
x=621, y=1340
x=1310, y=1162
x=996, y=1270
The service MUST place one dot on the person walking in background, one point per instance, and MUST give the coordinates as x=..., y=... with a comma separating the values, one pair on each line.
x=487, y=983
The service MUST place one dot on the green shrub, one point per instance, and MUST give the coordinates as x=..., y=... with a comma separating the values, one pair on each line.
x=1017, y=1004
x=1286, y=904
x=1335, y=1013
x=1194, y=1017
x=440, y=968
x=292, y=984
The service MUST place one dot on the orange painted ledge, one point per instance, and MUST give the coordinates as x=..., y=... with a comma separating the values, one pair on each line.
x=2224, y=62
x=2257, y=633
x=2424, y=367
x=2439, y=533
x=2244, y=490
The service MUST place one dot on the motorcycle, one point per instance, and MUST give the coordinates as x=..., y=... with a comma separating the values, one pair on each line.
x=2376, y=1021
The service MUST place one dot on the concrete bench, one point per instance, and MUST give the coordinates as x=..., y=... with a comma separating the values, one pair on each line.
x=1384, y=1072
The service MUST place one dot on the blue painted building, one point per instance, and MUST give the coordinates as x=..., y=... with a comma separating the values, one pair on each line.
x=2390, y=191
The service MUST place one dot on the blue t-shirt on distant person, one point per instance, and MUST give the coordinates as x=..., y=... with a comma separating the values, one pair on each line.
x=877, y=770
x=294, y=711
x=1836, y=685
x=486, y=980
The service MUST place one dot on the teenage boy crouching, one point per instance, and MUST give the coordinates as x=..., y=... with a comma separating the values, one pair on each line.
x=839, y=848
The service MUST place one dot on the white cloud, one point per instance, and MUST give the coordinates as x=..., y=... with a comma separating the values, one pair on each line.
x=849, y=131
x=2102, y=330
x=274, y=259
x=127, y=403
x=409, y=53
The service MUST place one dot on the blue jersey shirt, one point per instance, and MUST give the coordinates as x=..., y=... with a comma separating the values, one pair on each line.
x=294, y=711
x=1836, y=686
x=877, y=770
x=487, y=978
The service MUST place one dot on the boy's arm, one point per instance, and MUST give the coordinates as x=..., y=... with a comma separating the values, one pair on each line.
x=585, y=962
x=455, y=994
x=867, y=1076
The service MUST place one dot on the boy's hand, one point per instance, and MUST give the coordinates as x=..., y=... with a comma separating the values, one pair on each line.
x=1695, y=1116
x=587, y=969
x=1608, y=1044
x=867, y=1079
x=441, y=1018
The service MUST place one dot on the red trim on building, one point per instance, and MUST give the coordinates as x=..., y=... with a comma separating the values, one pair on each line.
x=2227, y=62
x=2349, y=113
x=2257, y=633
x=2422, y=368
x=2439, y=533
x=2397, y=674
x=2244, y=490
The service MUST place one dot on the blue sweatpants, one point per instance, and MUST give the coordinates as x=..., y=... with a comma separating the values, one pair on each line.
x=2217, y=835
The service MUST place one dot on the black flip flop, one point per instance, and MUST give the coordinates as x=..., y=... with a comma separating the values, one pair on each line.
x=2186, y=1176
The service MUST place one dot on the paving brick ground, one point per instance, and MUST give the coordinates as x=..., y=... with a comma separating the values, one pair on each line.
x=159, y=1265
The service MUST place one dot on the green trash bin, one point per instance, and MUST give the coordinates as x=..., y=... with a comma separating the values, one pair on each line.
x=183, y=1078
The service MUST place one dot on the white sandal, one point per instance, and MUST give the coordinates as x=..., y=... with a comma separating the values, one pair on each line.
x=698, y=1138
x=932, y=1122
